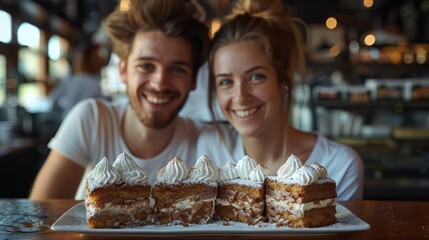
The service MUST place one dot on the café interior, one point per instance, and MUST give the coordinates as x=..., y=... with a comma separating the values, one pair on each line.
x=367, y=82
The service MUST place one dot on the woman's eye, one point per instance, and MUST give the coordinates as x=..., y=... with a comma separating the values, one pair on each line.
x=224, y=82
x=257, y=77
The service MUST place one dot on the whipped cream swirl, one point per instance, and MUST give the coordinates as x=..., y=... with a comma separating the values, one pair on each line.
x=130, y=171
x=289, y=167
x=306, y=175
x=321, y=170
x=136, y=176
x=259, y=173
x=104, y=174
x=245, y=166
x=204, y=170
x=227, y=171
x=124, y=163
x=175, y=171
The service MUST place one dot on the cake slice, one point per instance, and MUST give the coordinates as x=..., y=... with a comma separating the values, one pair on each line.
x=241, y=192
x=185, y=197
x=300, y=195
x=118, y=196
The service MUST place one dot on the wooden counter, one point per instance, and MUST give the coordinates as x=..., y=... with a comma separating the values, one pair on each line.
x=25, y=219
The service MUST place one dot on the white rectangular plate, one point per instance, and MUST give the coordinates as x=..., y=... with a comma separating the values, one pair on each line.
x=74, y=220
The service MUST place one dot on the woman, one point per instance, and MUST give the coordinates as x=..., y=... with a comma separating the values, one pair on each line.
x=252, y=62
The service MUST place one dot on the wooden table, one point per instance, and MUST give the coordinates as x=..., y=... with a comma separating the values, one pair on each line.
x=25, y=219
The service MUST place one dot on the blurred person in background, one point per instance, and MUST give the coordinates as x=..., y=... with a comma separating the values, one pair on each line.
x=87, y=61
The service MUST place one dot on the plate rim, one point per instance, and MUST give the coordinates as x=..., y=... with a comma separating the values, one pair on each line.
x=200, y=230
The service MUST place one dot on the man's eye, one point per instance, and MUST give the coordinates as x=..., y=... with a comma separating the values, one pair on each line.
x=146, y=66
x=178, y=70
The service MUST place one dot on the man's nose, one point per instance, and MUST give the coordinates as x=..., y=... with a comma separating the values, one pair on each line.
x=159, y=80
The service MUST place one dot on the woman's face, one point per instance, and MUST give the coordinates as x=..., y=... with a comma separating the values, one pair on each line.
x=247, y=89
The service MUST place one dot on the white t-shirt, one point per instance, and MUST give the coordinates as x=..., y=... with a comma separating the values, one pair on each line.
x=343, y=164
x=92, y=130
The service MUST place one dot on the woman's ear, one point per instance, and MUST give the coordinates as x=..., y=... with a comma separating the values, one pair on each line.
x=284, y=87
x=123, y=71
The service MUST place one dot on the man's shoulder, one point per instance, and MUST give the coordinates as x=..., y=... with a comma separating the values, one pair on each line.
x=190, y=124
x=93, y=108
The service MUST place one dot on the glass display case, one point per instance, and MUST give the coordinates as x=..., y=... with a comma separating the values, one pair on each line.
x=388, y=125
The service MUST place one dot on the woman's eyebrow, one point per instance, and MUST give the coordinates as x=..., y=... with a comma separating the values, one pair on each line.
x=255, y=68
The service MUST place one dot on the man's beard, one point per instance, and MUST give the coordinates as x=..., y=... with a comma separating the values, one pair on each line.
x=157, y=120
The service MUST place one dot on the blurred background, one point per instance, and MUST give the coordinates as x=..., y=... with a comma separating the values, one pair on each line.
x=367, y=82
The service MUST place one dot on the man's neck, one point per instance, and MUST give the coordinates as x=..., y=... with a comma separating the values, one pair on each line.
x=144, y=142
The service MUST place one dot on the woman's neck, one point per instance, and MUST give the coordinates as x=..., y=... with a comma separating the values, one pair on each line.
x=272, y=151
x=269, y=149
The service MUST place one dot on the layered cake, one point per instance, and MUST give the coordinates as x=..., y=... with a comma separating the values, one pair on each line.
x=300, y=195
x=118, y=196
x=240, y=195
x=185, y=196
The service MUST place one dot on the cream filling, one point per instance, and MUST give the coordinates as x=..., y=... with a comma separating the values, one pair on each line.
x=236, y=204
x=182, y=205
x=298, y=208
x=110, y=208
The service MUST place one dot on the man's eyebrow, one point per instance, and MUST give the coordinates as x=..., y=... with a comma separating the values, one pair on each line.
x=183, y=63
x=178, y=62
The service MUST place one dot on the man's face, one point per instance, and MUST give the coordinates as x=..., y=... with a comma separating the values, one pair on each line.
x=159, y=76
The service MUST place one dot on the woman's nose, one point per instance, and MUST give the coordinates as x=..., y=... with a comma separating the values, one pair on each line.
x=242, y=93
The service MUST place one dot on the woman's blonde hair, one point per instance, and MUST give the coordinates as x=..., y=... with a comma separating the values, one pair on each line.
x=171, y=17
x=266, y=24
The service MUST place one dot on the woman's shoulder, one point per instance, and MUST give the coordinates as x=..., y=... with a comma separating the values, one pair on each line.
x=331, y=149
x=221, y=143
x=211, y=132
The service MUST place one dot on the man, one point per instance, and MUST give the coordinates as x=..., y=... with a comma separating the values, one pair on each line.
x=161, y=48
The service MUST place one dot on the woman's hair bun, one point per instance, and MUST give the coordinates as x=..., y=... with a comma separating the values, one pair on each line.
x=257, y=8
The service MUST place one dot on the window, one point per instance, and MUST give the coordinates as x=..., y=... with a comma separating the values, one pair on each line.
x=2, y=79
x=30, y=58
x=59, y=67
x=30, y=65
x=111, y=82
x=29, y=35
x=6, y=27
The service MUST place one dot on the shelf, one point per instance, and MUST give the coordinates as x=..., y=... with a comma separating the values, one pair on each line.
x=377, y=104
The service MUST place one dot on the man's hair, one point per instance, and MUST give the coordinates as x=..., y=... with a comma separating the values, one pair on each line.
x=171, y=17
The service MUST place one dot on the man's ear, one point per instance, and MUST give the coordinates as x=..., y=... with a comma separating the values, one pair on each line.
x=193, y=84
x=123, y=71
